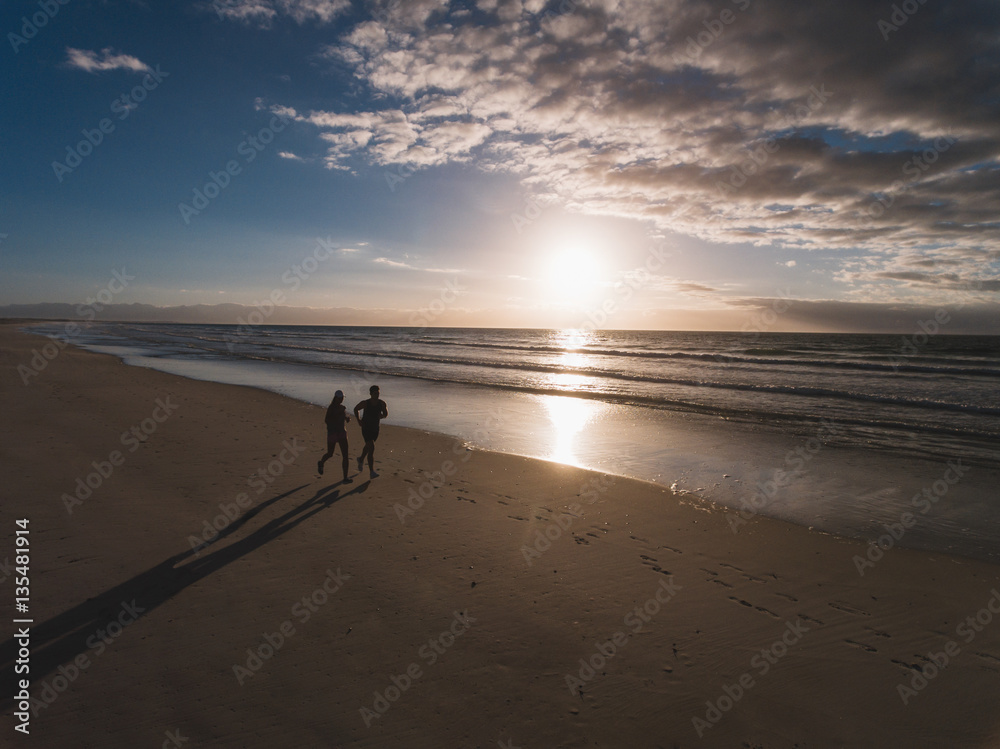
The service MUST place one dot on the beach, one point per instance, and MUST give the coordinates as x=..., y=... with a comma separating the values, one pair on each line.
x=191, y=576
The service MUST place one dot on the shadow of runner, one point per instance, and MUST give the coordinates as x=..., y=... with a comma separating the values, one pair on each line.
x=65, y=636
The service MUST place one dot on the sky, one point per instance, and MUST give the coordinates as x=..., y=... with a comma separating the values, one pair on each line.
x=508, y=163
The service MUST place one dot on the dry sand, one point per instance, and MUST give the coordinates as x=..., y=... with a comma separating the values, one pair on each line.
x=136, y=635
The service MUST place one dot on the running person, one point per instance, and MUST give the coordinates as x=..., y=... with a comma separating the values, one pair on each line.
x=375, y=411
x=336, y=432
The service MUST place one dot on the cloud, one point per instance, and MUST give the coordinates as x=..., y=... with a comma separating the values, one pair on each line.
x=769, y=122
x=399, y=265
x=290, y=156
x=92, y=62
x=263, y=12
x=692, y=288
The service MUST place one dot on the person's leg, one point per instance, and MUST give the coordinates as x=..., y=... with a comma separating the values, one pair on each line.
x=329, y=453
x=343, y=455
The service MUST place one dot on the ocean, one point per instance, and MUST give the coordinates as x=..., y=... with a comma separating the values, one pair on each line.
x=862, y=423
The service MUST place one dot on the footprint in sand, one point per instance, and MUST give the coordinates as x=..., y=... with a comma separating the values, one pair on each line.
x=878, y=632
x=793, y=599
x=866, y=648
x=671, y=548
x=908, y=666
x=807, y=618
x=749, y=605
x=848, y=609
x=518, y=517
x=651, y=563
x=723, y=583
x=988, y=657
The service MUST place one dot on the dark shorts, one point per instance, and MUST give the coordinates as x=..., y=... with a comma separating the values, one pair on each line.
x=370, y=433
x=333, y=438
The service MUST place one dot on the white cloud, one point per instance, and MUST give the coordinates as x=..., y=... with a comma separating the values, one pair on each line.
x=92, y=62
x=407, y=266
x=263, y=12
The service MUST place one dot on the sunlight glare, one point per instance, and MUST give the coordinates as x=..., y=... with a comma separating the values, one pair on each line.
x=573, y=272
x=569, y=417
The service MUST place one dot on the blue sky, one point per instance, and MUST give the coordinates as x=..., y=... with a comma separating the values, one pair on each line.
x=538, y=154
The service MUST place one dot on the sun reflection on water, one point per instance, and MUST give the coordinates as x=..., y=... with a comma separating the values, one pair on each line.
x=570, y=417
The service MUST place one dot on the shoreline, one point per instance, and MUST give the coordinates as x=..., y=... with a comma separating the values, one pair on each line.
x=805, y=475
x=641, y=611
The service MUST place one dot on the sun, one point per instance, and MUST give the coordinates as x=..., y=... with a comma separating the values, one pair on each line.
x=572, y=274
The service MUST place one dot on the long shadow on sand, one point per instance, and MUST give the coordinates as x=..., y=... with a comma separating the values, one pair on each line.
x=60, y=639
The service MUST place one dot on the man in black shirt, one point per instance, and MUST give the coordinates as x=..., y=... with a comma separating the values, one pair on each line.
x=374, y=411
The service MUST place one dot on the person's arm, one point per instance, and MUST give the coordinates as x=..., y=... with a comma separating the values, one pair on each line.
x=358, y=408
x=329, y=415
x=385, y=411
